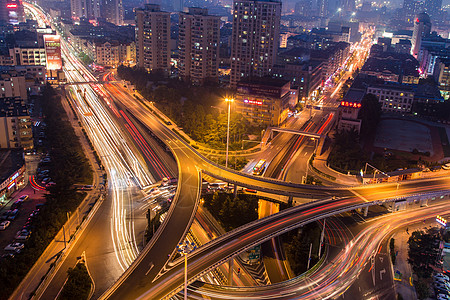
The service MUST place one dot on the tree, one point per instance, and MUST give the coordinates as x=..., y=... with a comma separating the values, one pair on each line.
x=423, y=252
x=78, y=283
x=369, y=114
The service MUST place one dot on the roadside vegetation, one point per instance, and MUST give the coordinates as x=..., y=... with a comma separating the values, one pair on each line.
x=297, y=244
x=68, y=166
x=78, y=285
x=423, y=254
x=232, y=212
x=200, y=111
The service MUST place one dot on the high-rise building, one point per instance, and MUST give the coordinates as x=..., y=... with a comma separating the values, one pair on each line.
x=112, y=11
x=322, y=7
x=152, y=38
x=178, y=5
x=89, y=9
x=422, y=28
x=198, y=47
x=256, y=31
x=304, y=8
x=432, y=7
x=11, y=11
x=348, y=5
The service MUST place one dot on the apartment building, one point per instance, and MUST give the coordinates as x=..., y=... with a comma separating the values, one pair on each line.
x=255, y=38
x=15, y=124
x=198, y=47
x=152, y=38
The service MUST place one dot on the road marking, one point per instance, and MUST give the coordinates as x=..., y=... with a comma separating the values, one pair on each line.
x=359, y=195
x=381, y=273
x=151, y=265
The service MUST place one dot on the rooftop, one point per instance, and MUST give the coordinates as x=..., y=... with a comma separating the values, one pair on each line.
x=13, y=107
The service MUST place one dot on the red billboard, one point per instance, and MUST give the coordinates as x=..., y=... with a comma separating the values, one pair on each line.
x=53, y=51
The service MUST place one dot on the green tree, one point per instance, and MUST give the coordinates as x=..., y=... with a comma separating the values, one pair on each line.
x=78, y=285
x=369, y=114
x=423, y=252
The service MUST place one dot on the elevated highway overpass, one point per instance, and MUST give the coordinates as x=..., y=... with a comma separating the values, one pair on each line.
x=153, y=275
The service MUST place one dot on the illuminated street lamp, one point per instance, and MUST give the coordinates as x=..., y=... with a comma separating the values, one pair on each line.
x=184, y=249
x=228, y=100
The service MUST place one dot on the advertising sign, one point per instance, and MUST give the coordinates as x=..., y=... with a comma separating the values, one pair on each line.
x=53, y=51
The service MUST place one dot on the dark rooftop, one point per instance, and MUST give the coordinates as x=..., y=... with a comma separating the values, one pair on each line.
x=12, y=107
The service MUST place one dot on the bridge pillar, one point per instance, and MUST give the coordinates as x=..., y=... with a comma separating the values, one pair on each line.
x=366, y=210
x=290, y=200
x=235, y=190
x=230, y=273
x=424, y=202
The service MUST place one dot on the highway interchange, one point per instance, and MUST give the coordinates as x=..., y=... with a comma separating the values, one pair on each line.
x=111, y=117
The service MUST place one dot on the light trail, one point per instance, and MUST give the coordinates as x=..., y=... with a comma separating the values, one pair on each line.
x=126, y=171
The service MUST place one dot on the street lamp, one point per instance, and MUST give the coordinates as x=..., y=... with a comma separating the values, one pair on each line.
x=228, y=100
x=184, y=249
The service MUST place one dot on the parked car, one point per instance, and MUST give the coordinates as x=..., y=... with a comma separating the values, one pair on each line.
x=5, y=215
x=440, y=275
x=443, y=297
x=13, y=214
x=14, y=247
x=23, y=236
x=16, y=204
x=23, y=197
x=4, y=225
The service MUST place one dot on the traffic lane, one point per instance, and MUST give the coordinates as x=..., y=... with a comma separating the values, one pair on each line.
x=375, y=280
x=381, y=191
x=212, y=253
x=155, y=257
x=96, y=241
x=329, y=280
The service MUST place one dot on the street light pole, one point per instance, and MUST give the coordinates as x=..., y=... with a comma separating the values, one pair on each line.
x=184, y=249
x=228, y=100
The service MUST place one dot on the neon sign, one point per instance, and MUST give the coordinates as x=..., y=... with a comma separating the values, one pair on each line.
x=11, y=5
x=350, y=104
x=253, y=102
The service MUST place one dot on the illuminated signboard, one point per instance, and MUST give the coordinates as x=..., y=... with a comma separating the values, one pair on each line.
x=253, y=102
x=11, y=5
x=14, y=176
x=351, y=104
x=441, y=220
x=53, y=51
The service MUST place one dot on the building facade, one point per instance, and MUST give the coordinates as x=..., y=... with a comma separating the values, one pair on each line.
x=28, y=56
x=422, y=28
x=89, y=9
x=112, y=11
x=264, y=101
x=15, y=124
x=152, y=38
x=393, y=98
x=255, y=38
x=198, y=46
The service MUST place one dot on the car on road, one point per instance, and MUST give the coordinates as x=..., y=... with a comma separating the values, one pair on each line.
x=14, y=247
x=4, y=225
